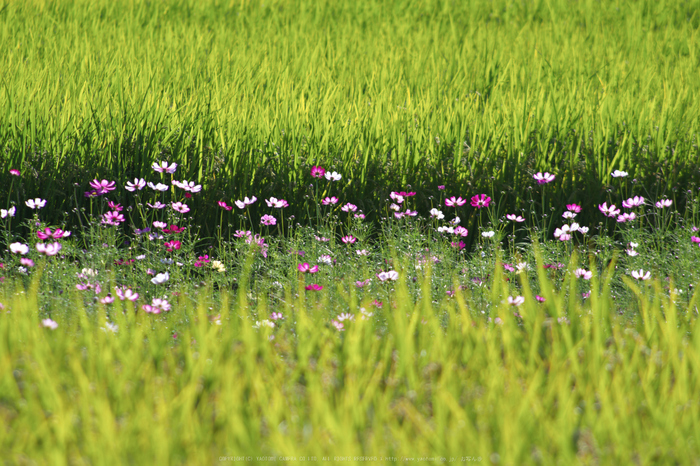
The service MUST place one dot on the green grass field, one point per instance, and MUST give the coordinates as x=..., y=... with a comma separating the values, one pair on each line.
x=541, y=326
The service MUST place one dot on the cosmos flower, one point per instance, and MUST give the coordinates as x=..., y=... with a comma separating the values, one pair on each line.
x=268, y=220
x=434, y=213
x=9, y=212
x=480, y=201
x=317, y=172
x=19, y=248
x=611, y=211
x=618, y=174
x=583, y=273
x=158, y=187
x=330, y=200
x=50, y=249
x=124, y=293
x=164, y=167
x=543, y=178
x=189, y=186
x=517, y=301
x=276, y=203
x=57, y=234
x=139, y=183
x=104, y=186
x=223, y=205
x=160, y=278
x=640, y=275
x=305, y=267
x=515, y=218
x=664, y=203
x=349, y=239
x=391, y=275
x=112, y=218
x=575, y=208
x=36, y=203
x=332, y=176
x=349, y=208
x=633, y=202
x=157, y=205
x=180, y=207
x=245, y=202
x=455, y=201
x=626, y=217
x=15, y=172
x=313, y=287
x=48, y=323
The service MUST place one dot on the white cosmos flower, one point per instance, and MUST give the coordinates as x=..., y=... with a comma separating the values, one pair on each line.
x=160, y=278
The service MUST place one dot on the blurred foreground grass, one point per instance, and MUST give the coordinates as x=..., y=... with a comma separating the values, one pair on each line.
x=569, y=381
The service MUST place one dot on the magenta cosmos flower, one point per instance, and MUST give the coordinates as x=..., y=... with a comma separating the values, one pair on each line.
x=543, y=178
x=349, y=239
x=481, y=200
x=104, y=186
x=15, y=172
x=268, y=220
x=317, y=172
x=313, y=287
x=330, y=200
x=223, y=205
x=57, y=234
x=455, y=201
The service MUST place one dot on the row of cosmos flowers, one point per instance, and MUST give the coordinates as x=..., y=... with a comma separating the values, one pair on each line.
x=114, y=218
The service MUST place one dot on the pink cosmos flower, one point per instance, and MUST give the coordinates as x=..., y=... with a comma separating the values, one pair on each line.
x=112, y=218
x=164, y=167
x=104, y=186
x=568, y=214
x=188, y=186
x=583, y=273
x=455, y=201
x=127, y=294
x=276, y=316
x=362, y=283
x=626, y=217
x=573, y=208
x=173, y=229
x=15, y=172
x=159, y=225
x=695, y=239
x=172, y=245
x=396, y=197
x=349, y=239
x=313, y=287
x=349, y=208
x=157, y=205
x=48, y=323
x=180, y=207
x=410, y=213
x=611, y=211
x=268, y=220
x=276, y=203
x=329, y=200
x=515, y=218
x=223, y=205
x=543, y=178
x=321, y=239
x=305, y=267
x=540, y=298
x=139, y=183
x=50, y=249
x=360, y=216
x=338, y=325
x=158, y=187
x=242, y=234
x=664, y=203
x=114, y=206
x=480, y=201
x=157, y=306
x=26, y=262
x=461, y=231
x=245, y=202
x=109, y=299
x=632, y=202
x=508, y=268
x=317, y=172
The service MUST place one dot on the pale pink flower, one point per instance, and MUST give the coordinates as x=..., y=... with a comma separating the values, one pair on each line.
x=515, y=218
x=330, y=200
x=664, y=203
x=619, y=174
x=158, y=187
x=48, y=323
x=390, y=275
x=611, y=211
x=349, y=208
x=461, y=231
x=632, y=202
x=189, y=186
x=626, y=217
x=50, y=249
x=180, y=207
x=276, y=203
x=124, y=293
x=139, y=183
x=349, y=239
x=164, y=167
x=245, y=202
x=583, y=273
x=157, y=205
x=268, y=220
x=517, y=301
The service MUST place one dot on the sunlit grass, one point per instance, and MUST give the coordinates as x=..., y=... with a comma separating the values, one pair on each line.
x=569, y=381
